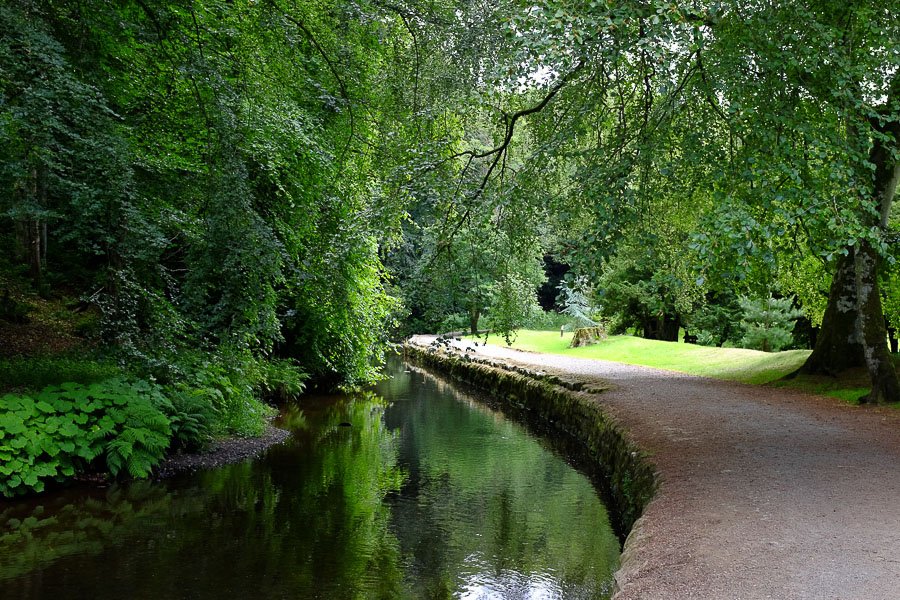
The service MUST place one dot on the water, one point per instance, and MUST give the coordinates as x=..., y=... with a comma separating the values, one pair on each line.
x=411, y=491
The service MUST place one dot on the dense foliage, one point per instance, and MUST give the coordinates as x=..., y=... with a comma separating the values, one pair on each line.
x=224, y=182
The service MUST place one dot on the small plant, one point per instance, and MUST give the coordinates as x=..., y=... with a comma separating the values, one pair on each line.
x=191, y=420
x=227, y=382
x=768, y=323
x=66, y=429
x=281, y=379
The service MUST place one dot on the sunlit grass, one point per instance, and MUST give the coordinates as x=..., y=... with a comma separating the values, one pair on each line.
x=732, y=364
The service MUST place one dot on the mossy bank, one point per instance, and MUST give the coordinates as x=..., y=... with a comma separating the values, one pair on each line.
x=563, y=408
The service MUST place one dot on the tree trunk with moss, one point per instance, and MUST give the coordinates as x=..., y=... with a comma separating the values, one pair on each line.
x=853, y=330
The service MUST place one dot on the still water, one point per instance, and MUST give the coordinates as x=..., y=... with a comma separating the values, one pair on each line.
x=412, y=490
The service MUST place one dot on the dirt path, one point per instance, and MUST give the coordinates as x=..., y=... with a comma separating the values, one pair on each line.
x=765, y=493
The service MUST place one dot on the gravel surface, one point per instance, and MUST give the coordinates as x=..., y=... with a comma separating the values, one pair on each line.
x=765, y=493
x=222, y=452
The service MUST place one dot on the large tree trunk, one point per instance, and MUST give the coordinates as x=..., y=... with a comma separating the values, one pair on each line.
x=853, y=333
x=853, y=330
x=871, y=329
x=474, y=317
x=838, y=347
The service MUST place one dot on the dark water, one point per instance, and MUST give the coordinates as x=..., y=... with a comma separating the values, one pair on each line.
x=426, y=494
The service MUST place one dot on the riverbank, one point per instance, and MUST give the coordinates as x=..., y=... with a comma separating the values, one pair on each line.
x=764, y=493
x=222, y=452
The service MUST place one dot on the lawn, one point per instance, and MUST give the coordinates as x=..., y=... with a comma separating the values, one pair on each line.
x=733, y=364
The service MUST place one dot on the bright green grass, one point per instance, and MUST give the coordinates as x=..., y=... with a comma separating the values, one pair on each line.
x=733, y=364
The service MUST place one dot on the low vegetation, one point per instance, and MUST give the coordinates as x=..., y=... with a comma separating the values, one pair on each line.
x=731, y=364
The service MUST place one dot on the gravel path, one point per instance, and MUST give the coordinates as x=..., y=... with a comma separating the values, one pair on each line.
x=766, y=493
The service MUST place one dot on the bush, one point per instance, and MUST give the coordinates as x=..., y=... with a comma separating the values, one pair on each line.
x=64, y=430
x=191, y=419
x=548, y=321
x=716, y=324
x=37, y=373
x=281, y=379
x=227, y=381
x=456, y=322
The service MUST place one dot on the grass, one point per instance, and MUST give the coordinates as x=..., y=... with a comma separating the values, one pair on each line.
x=731, y=364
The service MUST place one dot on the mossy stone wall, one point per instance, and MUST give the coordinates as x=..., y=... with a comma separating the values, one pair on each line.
x=564, y=407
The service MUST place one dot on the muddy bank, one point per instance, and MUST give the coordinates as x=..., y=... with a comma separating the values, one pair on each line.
x=222, y=452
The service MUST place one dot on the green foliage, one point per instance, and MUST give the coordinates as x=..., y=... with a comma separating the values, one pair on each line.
x=61, y=431
x=549, y=321
x=281, y=379
x=717, y=321
x=647, y=288
x=455, y=322
x=514, y=301
x=39, y=372
x=768, y=323
x=191, y=420
x=228, y=383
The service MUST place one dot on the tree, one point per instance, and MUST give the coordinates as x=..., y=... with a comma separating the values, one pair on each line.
x=768, y=323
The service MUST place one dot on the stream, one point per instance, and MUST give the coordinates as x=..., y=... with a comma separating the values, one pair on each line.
x=411, y=489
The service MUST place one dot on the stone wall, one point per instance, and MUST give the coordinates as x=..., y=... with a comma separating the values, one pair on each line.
x=564, y=407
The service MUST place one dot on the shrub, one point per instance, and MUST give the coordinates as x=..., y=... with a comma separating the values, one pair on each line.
x=191, y=419
x=227, y=381
x=281, y=379
x=549, y=321
x=37, y=373
x=60, y=431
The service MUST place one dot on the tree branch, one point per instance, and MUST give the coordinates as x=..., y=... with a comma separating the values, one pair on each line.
x=331, y=67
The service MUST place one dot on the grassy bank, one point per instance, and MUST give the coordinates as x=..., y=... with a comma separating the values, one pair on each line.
x=731, y=364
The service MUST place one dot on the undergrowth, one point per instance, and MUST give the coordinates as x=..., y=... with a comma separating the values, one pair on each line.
x=63, y=417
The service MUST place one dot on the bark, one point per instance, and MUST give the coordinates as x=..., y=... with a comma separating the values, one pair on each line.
x=474, y=316
x=853, y=333
x=871, y=329
x=838, y=347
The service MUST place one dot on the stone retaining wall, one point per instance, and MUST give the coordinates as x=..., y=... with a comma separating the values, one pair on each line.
x=565, y=407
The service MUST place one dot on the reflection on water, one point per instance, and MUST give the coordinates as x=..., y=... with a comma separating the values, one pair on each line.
x=424, y=495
